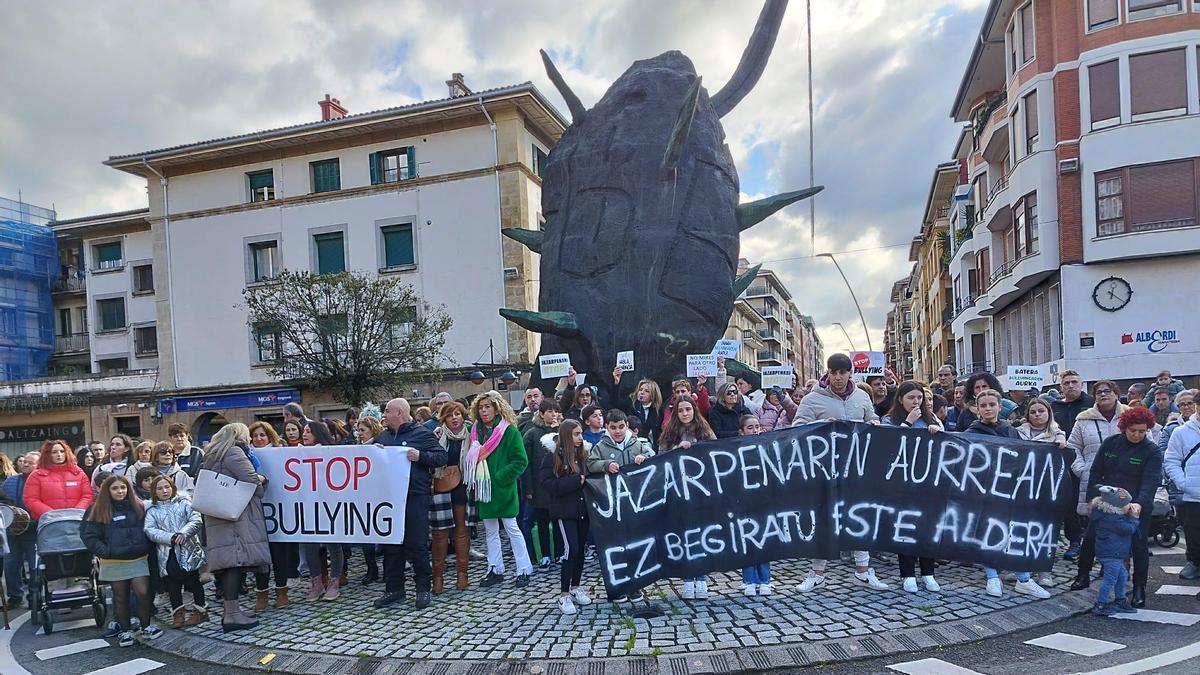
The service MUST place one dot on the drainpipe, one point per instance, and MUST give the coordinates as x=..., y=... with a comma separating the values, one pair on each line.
x=162, y=180
x=499, y=214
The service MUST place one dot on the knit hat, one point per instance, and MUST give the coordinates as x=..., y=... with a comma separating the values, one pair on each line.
x=1115, y=496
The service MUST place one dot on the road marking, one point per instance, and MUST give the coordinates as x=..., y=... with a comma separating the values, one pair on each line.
x=1075, y=644
x=1169, y=589
x=931, y=667
x=1159, y=616
x=1152, y=662
x=133, y=667
x=8, y=662
x=70, y=625
x=67, y=650
x=1172, y=569
x=1159, y=550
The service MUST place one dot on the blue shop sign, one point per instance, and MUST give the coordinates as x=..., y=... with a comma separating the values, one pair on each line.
x=250, y=399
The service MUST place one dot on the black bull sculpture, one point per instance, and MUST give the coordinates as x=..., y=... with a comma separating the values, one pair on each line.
x=640, y=197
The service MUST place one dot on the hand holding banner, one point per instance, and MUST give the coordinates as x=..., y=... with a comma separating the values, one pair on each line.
x=625, y=361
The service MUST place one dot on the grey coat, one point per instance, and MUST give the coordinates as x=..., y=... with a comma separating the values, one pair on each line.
x=164, y=520
x=240, y=543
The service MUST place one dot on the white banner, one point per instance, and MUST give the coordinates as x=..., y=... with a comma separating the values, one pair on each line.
x=701, y=364
x=348, y=494
x=726, y=349
x=554, y=365
x=1026, y=377
x=625, y=361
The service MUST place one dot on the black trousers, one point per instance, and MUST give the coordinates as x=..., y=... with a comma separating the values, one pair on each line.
x=1140, y=553
x=178, y=580
x=414, y=550
x=285, y=557
x=1072, y=522
x=908, y=565
x=574, y=534
x=1189, y=513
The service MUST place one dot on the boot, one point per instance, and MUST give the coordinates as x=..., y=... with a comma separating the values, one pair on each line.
x=198, y=616
x=441, y=541
x=178, y=617
x=233, y=618
x=316, y=590
x=1139, y=596
x=281, y=597
x=462, y=547
x=260, y=601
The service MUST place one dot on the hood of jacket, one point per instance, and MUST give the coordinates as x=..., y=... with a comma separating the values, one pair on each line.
x=551, y=440
x=608, y=440
x=824, y=389
x=1098, y=504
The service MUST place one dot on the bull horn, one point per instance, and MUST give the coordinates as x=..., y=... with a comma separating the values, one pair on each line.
x=573, y=104
x=753, y=213
x=683, y=127
x=743, y=280
x=754, y=59
x=531, y=239
x=563, y=324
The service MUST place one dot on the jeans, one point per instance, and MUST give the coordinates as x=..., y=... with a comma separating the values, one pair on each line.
x=993, y=574
x=1140, y=553
x=22, y=554
x=574, y=535
x=415, y=549
x=311, y=553
x=757, y=574
x=1115, y=576
x=515, y=540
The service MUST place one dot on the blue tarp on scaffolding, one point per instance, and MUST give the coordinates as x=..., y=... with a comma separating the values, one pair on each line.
x=28, y=269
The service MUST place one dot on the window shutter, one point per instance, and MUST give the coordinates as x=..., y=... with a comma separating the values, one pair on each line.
x=1101, y=12
x=261, y=179
x=1026, y=33
x=1158, y=81
x=1031, y=117
x=411, y=170
x=373, y=159
x=1161, y=195
x=398, y=245
x=1104, y=92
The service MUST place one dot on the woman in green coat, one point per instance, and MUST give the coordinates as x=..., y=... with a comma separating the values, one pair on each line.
x=493, y=471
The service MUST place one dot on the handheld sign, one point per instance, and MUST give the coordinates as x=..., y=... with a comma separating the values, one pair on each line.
x=701, y=364
x=869, y=364
x=625, y=360
x=776, y=376
x=354, y=494
x=1026, y=377
x=726, y=349
x=580, y=378
x=554, y=365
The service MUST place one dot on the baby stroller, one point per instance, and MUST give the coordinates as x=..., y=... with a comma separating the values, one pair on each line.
x=66, y=576
x=1164, y=521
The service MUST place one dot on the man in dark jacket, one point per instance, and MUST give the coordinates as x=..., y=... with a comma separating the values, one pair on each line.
x=22, y=548
x=534, y=500
x=1073, y=401
x=426, y=454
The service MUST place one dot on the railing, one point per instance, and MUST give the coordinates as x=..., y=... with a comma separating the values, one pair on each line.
x=756, y=290
x=1003, y=271
x=947, y=314
x=69, y=284
x=996, y=190
x=961, y=305
x=768, y=355
x=768, y=335
x=76, y=342
x=976, y=367
x=943, y=212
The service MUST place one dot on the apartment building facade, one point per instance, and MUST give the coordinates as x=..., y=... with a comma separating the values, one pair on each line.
x=932, y=300
x=787, y=335
x=898, y=333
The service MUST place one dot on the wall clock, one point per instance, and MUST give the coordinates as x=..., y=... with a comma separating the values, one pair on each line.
x=1112, y=294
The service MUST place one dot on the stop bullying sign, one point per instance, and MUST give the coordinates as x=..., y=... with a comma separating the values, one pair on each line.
x=868, y=364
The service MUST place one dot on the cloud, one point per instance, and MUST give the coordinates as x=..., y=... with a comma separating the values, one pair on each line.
x=88, y=80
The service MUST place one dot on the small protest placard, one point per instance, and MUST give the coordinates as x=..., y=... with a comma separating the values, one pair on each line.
x=625, y=360
x=701, y=364
x=869, y=364
x=776, y=376
x=726, y=349
x=580, y=378
x=554, y=365
x=1026, y=377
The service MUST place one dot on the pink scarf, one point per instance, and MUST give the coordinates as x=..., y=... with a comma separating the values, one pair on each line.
x=479, y=479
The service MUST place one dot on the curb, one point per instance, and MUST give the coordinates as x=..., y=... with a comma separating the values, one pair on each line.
x=750, y=660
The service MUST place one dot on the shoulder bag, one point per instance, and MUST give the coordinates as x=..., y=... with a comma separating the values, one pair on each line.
x=221, y=496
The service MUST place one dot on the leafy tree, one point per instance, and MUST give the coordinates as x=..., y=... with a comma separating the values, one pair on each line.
x=352, y=335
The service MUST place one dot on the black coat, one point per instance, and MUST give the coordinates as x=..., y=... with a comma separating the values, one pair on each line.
x=419, y=438
x=724, y=421
x=121, y=539
x=531, y=487
x=651, y=418
x=1065, y=413
x=1119, y=463
x=566, y=492
x=1001, y=428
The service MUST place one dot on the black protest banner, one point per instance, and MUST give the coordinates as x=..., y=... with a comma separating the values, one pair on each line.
x=812, y=491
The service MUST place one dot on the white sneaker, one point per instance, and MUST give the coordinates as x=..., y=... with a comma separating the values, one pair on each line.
x=810, y=582
x=689, y=591
x=869, y=579
x=581, y=598
x=910, y=584
x=566, y=606
x=931, y=584
x=750, y=590
x=765, y=589
x=1031, y=588
x=702, y=590
x=995, y=588
x=1045, y=579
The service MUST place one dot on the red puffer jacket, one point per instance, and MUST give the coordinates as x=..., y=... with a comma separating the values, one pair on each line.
x=64, y=486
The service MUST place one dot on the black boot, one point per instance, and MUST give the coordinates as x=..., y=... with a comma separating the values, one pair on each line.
x=1139, y=596
x=1081, y=582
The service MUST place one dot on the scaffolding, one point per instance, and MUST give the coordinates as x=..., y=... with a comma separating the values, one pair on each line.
x=28, y=270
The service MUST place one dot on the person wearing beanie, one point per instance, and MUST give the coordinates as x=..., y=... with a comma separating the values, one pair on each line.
x=1114, y=520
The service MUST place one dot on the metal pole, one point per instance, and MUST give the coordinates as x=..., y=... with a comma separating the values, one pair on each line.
x=852, y=347
x=492, y=363
x=812, y=174
x=852, y=297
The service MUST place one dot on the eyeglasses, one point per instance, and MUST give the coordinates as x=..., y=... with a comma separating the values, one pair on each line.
x=1101, y=392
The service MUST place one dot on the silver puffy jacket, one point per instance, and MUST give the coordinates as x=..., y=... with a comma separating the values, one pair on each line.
x=164, y=520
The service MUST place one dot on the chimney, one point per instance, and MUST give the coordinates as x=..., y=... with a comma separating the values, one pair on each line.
x=331, y=109
x=458, y=87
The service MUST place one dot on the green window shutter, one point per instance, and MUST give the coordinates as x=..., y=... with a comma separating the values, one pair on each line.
x=398, y=245
x=261, y=179
x=376, y=174
x=112, y=314
x=412, y=162
x=108, y=255
x=331, y=254
x=326, y=176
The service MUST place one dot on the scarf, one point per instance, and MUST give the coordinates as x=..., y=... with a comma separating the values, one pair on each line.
x=444, y=436
x=479, y=479
x=851, y=385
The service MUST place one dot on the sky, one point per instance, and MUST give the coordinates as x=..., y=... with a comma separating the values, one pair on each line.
x=87, y=80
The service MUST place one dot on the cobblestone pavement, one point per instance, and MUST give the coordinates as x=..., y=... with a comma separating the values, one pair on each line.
x=506, y=623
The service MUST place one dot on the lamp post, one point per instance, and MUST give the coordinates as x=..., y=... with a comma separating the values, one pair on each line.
x=852, y=297
x=477, y=376
x=852, y=347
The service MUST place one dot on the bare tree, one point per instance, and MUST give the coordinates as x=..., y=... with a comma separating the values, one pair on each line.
x=352, y=335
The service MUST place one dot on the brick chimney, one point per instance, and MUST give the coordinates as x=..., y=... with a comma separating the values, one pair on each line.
x=458, y=86
x=331, y=109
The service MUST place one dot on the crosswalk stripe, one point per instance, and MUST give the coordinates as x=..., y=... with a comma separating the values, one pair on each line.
x=69, y=649
x=1156, y=662
x=1170, y=589
x=69, y=625
x=1075, y=644
x=1159, y=550
x=931, y=667
x=133, y=667
x=1172, y=569
x=1159, y=616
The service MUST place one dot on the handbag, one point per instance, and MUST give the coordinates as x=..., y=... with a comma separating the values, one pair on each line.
x=221, y=496
x=447, y=478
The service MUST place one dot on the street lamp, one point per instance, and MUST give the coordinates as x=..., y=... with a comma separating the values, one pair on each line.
x=852, y=297
x=852, y=347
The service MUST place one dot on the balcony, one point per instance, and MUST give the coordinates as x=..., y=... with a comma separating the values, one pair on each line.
x=1002, y=272
x=769, y=335
x=756, y=291
x=991, y=205
x=975, y=367
x=66, y=344
x=69, y=284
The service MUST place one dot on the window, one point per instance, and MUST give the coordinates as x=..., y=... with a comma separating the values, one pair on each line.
x=1110, y=206
x=143, y=279
x=398, y=250
x=1031, y=224
x=1158, y=83
x=115, y=365
x=1146, y=197
x=1104, y=93
x=331, y=253
x=262, y=185
x=326, y=175
x=983, y=262
x=108, y=256
x=145, y=341
x=1101, y=14
x=1148, y=9
x=1031, y=122
x=539, y=161
x=264, y=260
x=130, y=426
x=391, y=166
x=402, y=326
x=1018, y=231
x=112, y=314
x=64, y=322
x=8, y=321
x=1056, y=348
x=1025, y=26
x=266, y=343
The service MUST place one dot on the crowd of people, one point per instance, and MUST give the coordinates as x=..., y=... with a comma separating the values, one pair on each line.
x=521, y=474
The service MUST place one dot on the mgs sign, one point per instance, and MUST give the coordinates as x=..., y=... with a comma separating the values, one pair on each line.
x=1155, y=341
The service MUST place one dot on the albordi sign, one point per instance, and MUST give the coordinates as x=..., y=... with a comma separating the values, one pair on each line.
x=351, y=494
x=812, y=491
